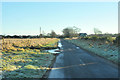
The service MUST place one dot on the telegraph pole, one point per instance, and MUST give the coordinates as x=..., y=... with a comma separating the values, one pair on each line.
x=40, y=30
x=40, y=33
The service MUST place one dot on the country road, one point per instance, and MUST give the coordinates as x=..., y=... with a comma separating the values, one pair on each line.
x=74, y=62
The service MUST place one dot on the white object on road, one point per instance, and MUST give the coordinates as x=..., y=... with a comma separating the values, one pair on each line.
x=77, y=48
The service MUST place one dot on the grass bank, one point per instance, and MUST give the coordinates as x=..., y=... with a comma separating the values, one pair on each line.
x=107, y=51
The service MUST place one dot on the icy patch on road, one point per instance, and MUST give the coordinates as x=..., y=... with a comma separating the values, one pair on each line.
x=59, y=44
x=53, y=51
x=77, y=48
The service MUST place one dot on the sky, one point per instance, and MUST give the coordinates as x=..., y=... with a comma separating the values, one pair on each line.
x=26, y=18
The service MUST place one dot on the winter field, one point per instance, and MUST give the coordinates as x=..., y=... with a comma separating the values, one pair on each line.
x=104, y=48
x=22, y=58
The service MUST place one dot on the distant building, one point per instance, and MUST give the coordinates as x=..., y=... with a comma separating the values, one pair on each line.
x=82, y=34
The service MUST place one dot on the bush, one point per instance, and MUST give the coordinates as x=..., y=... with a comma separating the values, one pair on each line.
x=109, y=39
x=86, y=38
x=103, y=38
x=117, y=40
x=95, y=37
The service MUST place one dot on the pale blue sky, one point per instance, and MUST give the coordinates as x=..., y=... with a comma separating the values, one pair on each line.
x=26, y=17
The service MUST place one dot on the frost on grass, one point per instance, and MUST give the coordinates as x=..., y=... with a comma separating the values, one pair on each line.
x=105, y=50
x=24, y=58
x=25, y=64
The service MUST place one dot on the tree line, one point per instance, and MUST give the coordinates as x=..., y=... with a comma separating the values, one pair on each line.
x=68, y=32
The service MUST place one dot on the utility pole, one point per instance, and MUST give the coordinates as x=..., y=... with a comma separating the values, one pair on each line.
x=40, y=30
x=40, y=33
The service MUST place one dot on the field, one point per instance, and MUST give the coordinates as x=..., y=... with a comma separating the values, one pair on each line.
x=21, y=44
x=26, y=58
x=101, y=46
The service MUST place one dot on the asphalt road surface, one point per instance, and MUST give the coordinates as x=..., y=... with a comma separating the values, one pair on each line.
x=74, y=62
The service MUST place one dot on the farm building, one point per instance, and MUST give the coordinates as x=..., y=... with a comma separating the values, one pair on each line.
x=82, y=34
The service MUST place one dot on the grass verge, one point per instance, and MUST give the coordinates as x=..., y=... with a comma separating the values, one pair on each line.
x=106, y=51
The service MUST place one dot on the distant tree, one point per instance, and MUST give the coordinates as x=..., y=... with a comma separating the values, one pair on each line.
x=8, y=36
x=71, y=31
x=53, y=34
x=68, y=32
x=43, y=33
x=97, y=31
x=48, y=34
x=16, y=36
x=76, y=30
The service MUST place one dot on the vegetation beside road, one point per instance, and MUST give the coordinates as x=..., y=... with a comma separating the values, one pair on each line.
x=105, y=46
x=20, y=61
x=21, y=44
x=23, y=56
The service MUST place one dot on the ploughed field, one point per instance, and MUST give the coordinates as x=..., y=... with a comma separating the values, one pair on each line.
x=26, y=58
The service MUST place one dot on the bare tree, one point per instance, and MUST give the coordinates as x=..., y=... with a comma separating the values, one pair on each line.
x=53, y=34
x=68, y=32
x=71, y=31
x=76, y=30
x=97, y=31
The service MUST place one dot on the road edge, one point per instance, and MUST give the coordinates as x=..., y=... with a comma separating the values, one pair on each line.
x=93, y=53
